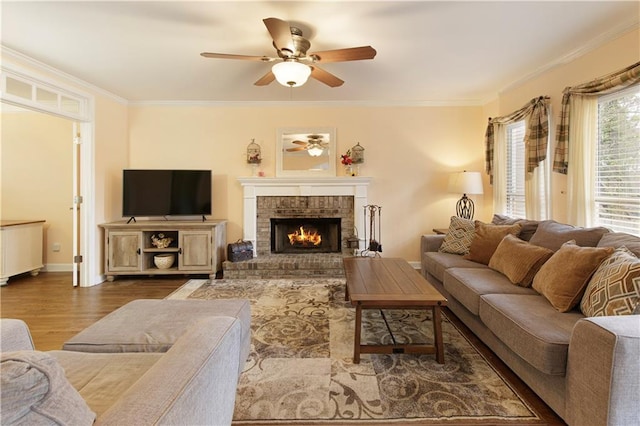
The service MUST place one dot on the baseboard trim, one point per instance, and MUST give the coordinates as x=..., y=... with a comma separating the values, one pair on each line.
x=58, y=267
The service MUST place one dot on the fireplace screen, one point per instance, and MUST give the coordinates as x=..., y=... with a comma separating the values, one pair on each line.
x=306, y=235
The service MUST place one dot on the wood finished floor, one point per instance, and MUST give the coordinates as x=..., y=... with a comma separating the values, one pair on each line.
x=55, y=311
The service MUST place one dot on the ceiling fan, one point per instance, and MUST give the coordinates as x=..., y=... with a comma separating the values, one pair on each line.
x=314, y=146
x=294, y=65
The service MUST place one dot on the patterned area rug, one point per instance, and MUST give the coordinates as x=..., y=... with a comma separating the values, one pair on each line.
x=301, y=367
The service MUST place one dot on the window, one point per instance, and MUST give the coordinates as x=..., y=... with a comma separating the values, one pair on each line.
x=617, y=171
x=515, y=170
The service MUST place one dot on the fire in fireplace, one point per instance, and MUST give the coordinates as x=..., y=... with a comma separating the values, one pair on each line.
x=305, y=235
x=304, y=238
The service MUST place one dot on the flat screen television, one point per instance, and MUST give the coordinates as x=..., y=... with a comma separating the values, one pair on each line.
x=166, y=192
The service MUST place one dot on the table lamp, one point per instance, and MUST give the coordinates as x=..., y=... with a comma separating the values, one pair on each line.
x=466, y=183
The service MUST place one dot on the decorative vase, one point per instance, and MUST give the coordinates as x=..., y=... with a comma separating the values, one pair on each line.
x=164, y=260
x=161, y=241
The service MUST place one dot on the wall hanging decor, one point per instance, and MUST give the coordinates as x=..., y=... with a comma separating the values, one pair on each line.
x=254, y=153
x=357, y=154
x=305, y=151
x=254, y=156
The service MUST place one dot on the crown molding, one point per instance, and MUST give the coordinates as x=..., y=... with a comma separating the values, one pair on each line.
x=312, y=104
x=21, y=58
x=604, y=38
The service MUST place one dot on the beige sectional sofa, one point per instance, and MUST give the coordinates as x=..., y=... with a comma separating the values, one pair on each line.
x=175, y=368
x=587, y=369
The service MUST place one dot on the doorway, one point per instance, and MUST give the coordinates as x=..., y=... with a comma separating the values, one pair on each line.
x=37, y=179
x=48, y=102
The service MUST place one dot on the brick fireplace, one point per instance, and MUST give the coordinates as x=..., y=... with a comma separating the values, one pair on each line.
x=340, y=198
x=316, y=212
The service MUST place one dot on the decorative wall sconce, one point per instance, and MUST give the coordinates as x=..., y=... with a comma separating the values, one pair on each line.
x=254, y=153
x=465, y=183
x=357, y=154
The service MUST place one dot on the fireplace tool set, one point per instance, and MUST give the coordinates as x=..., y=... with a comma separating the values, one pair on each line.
x=371, y=218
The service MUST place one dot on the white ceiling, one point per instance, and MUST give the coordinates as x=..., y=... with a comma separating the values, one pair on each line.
x=428, y=51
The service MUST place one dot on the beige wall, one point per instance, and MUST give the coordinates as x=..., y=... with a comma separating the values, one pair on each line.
x=408, y=153
x=409, y=150
x=36, y=158
x=608, y=58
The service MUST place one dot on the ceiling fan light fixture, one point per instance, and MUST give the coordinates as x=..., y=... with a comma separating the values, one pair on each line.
x=315, y=151
x=291, y=73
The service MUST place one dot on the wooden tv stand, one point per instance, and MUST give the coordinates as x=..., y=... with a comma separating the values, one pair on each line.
x=198, y=247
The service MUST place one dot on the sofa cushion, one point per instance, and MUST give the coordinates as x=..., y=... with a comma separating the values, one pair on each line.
x=552, y=235
x=529, y=227
x=531, y=328
x=563, y=278
x=486, y=239
x=519, y=260
x=34, y=390
x=101, y=379
x=153, y=325
x=436, y=263
x=459, y=236
x=620, y=239
x=614, y=288
x=467, y=285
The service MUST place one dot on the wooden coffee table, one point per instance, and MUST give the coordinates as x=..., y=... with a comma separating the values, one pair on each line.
x=381, y=283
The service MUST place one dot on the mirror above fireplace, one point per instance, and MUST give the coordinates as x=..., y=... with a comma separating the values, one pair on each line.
x=306, y=151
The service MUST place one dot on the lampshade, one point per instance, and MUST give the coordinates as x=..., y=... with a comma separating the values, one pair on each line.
x=291, y=73
x=466, y=183
x=315, y=151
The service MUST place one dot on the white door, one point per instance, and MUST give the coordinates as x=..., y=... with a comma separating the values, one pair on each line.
x=77, y=204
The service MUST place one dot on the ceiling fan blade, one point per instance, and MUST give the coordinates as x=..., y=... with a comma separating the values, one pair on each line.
x=242, y=57
x=265, y=79
x=280, y=33
x=296, y=149
x=325, y=77
x=342, y=55
x=299, y=142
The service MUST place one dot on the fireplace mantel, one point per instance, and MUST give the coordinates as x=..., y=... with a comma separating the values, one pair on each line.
x=300, y=186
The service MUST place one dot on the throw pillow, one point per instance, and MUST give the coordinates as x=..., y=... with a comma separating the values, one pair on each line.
x=615, y=286
x=519, y=260
x=563, y=278
x=529, y=227
x=552, y=235
x=458, y=237
x=486, y=240
x=34, y=390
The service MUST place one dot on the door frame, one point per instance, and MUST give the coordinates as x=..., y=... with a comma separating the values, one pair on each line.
x=89, y=250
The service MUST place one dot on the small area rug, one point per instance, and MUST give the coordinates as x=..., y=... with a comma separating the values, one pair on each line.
x=301, y=370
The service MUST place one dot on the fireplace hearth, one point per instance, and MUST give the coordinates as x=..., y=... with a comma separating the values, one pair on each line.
x=305, y=235
x=298, y=197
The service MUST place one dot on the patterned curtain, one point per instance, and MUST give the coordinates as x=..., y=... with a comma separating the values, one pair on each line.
x=603, y=85
x=536, y=137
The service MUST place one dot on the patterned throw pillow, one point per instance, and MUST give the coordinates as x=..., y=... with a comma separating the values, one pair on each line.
x=615, y=286
x=459, y=236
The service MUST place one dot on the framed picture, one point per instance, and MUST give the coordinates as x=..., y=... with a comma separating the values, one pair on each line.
x=306, y=151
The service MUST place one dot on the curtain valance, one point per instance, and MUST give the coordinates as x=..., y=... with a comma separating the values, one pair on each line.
x=536, y=136
x=600, y=86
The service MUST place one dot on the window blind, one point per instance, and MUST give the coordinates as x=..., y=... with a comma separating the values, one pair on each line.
x=617, y=174
x=515, y=170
